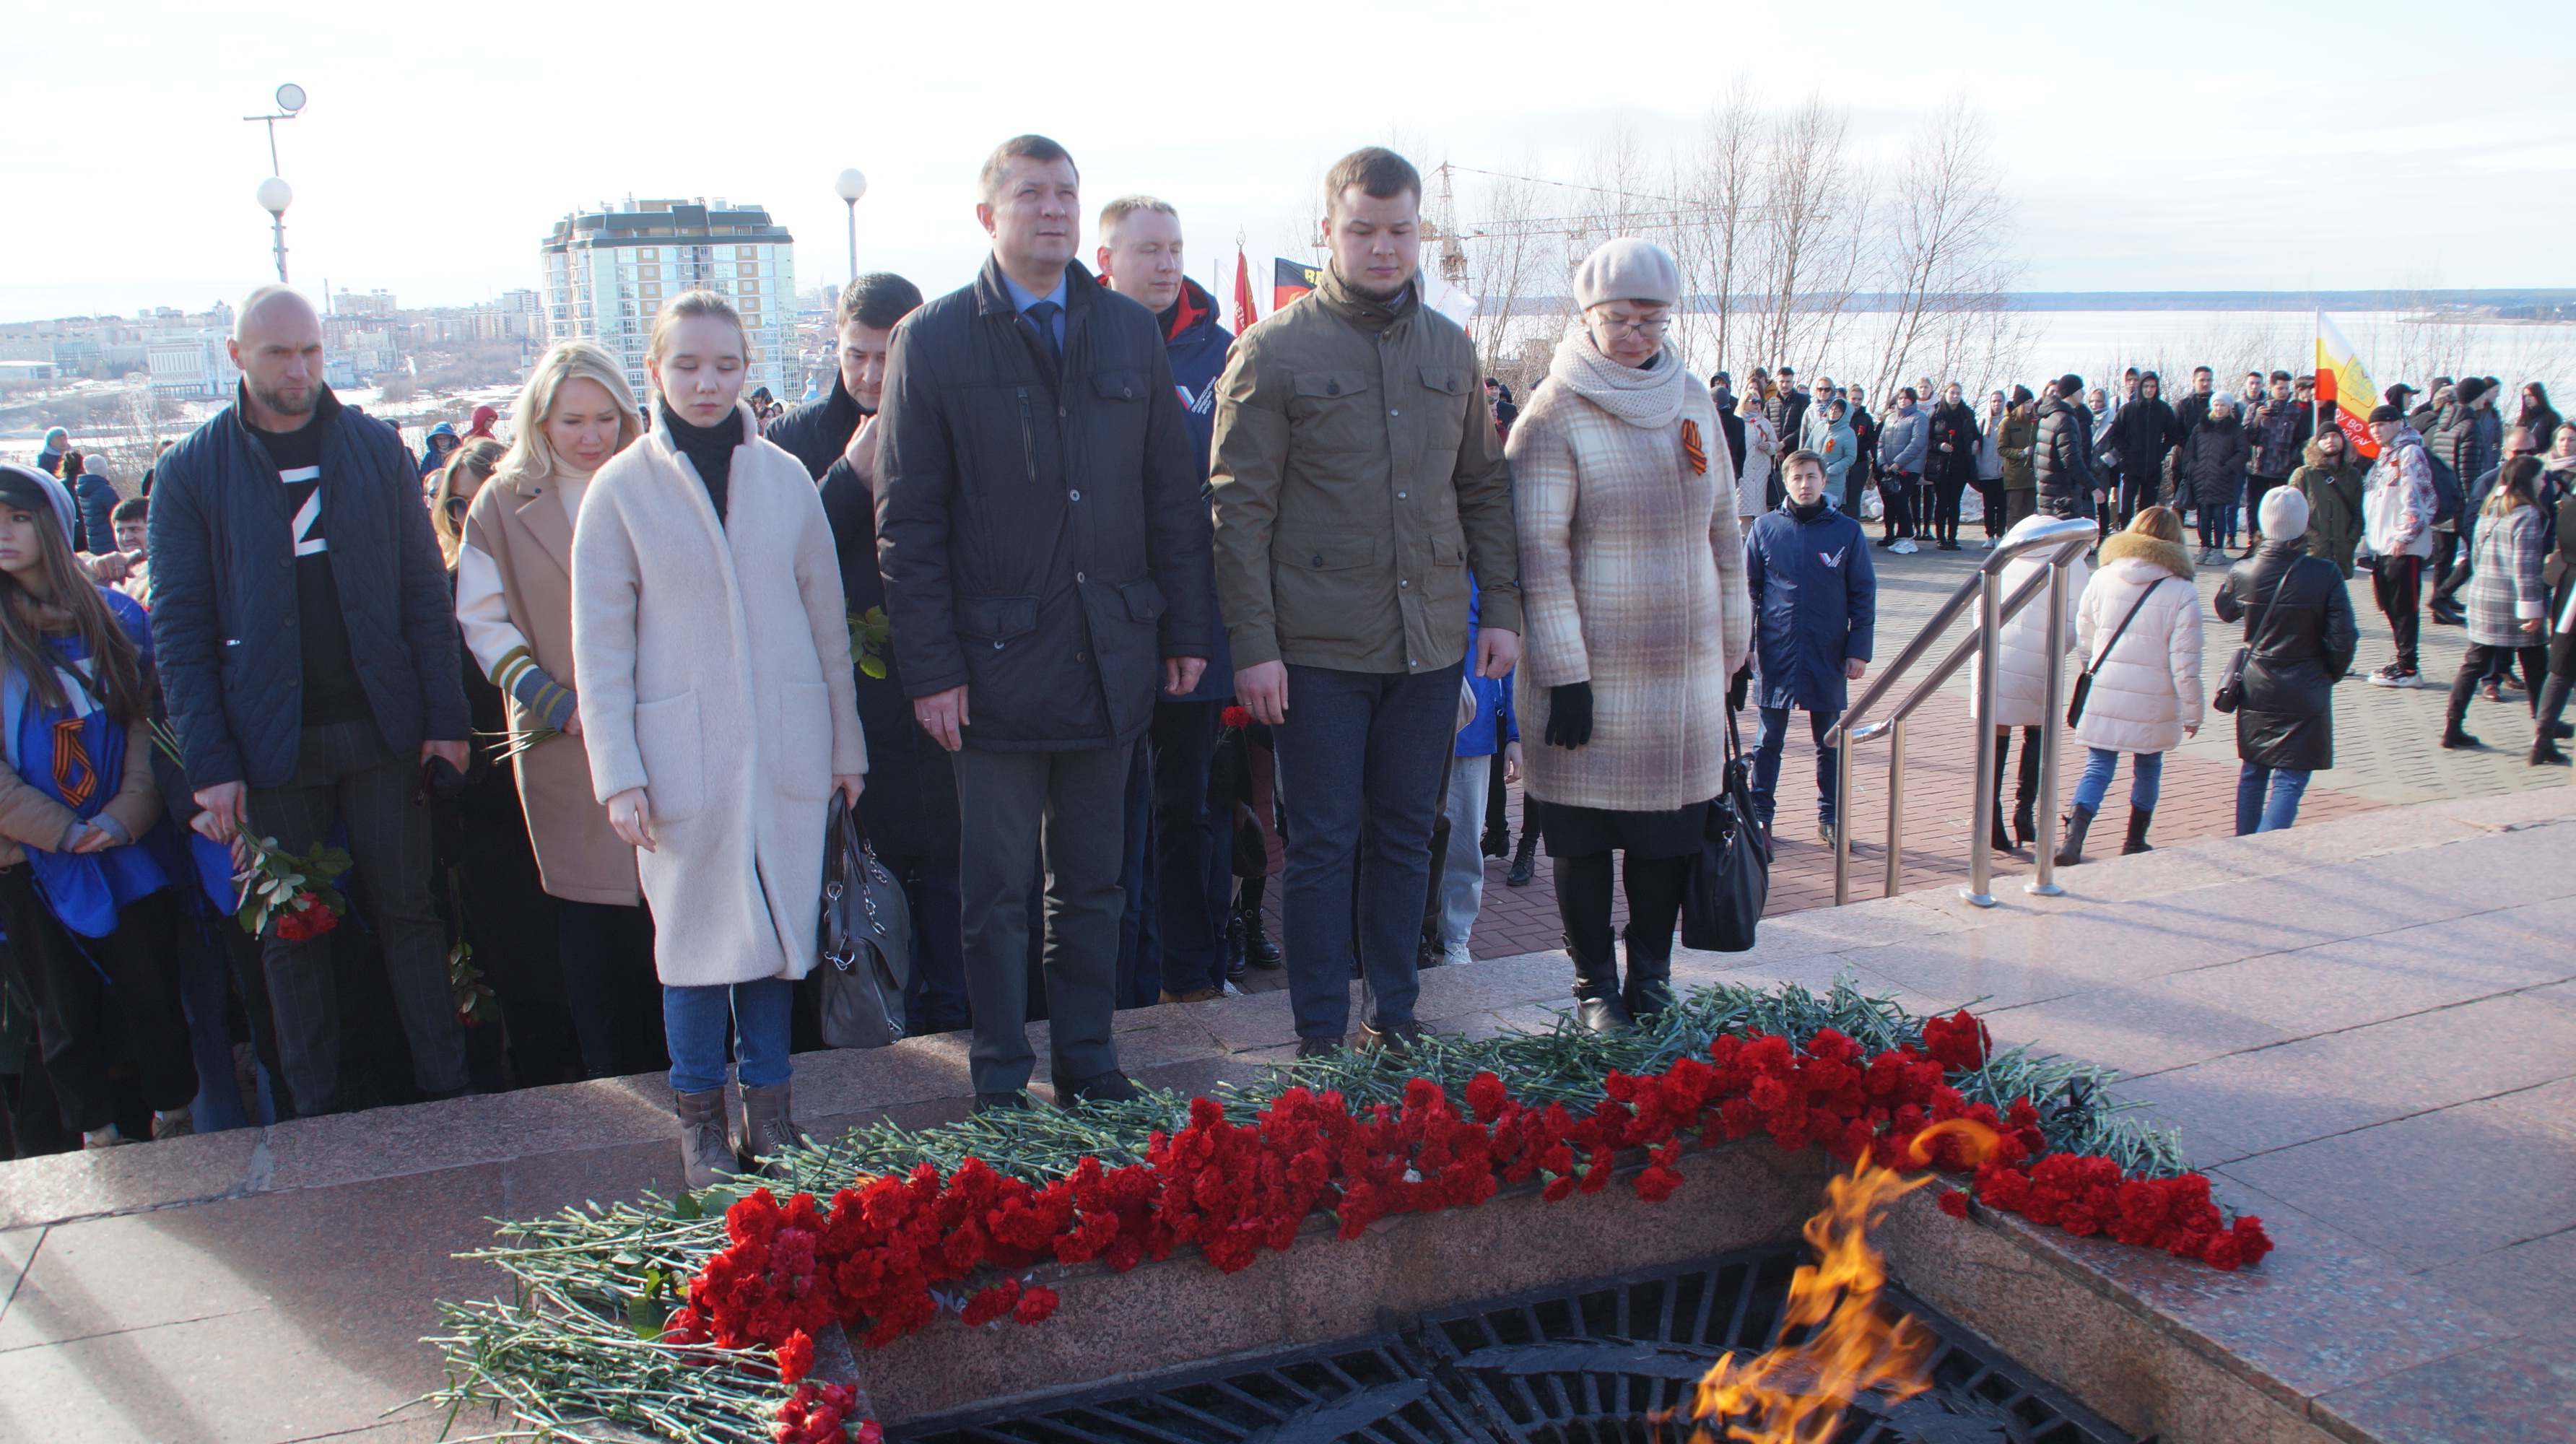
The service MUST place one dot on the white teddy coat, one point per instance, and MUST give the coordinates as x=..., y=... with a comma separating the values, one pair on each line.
x=715, y=674
x=2147, y=689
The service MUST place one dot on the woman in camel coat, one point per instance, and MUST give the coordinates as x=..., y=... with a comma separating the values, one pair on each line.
x=717, y=703
x=514, y=604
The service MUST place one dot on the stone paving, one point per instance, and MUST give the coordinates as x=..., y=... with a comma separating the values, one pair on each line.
x=2386, y=753
x=2366, y=1028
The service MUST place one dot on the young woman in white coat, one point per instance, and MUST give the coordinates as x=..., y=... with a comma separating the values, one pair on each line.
x=2139, y=629
x=718, y=707
x=2021, y=683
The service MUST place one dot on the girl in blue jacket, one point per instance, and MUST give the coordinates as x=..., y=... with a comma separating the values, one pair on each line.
x=81, y=901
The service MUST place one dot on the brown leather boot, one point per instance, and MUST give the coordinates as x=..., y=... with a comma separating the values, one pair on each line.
x=706, y=1154
x=769, y=1127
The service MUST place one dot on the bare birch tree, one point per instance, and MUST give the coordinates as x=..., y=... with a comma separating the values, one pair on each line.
x=1941, y=252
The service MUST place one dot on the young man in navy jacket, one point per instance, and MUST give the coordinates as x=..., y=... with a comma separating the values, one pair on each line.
x=1816, y=596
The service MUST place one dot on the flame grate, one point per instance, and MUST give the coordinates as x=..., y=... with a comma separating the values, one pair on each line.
x=1605, y=1363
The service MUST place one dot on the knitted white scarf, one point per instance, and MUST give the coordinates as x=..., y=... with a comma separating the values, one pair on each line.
x=1650, y=399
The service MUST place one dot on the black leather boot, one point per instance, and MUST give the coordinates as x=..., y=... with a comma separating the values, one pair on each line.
x=1598, y=1008
x=1258, y=949
x=2078, y=822
x=2000, y=839
x=1525, y=861
x=1230, y=948
x=2139, y=817
x=1650, y=978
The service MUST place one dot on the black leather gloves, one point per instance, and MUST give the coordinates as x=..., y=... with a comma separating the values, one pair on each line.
x=1569, y=715
x=1739, y=688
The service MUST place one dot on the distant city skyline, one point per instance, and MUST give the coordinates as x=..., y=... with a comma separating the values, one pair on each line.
x=432, y=158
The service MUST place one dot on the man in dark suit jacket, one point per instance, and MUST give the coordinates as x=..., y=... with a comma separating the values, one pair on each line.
x=1047, y=559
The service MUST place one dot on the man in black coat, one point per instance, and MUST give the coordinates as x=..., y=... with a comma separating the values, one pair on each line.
x=2060, y=456
x=910, y=807
x=2143, y=431
x=306, y=638
x=1047, y=558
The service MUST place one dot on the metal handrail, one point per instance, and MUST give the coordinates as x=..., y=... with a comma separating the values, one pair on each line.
x=2070, y=538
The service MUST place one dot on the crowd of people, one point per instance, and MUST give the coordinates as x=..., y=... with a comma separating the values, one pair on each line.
x=1098, y=618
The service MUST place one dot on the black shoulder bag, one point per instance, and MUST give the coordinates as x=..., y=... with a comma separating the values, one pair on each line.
x=2231, y=684
x=2084, y=679
x=1730, y=875
x=865, y=947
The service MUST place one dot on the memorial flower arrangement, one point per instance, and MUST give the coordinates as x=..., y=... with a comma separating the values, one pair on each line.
x=951, y=1220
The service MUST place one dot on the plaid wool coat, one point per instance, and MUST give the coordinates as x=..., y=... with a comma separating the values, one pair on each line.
x=1632, y=578
x=2505, y=587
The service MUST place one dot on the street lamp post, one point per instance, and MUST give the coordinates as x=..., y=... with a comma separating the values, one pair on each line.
x=274, y=194
x=850, y=186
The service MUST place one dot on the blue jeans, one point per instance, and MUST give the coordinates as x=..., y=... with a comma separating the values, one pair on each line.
x=2253, y=812
x=693, y=1019
x=1766, y=761
x=2218, y=526
x=1360, y=760
x=2101, y=762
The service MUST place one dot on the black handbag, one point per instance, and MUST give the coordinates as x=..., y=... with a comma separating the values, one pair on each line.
x=1730, y=876
x=865, y=946
x=2084, y=679
x=2230, y=694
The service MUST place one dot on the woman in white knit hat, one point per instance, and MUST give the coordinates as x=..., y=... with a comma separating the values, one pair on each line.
x=1632, y=581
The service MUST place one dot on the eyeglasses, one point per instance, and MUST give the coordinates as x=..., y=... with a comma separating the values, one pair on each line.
x=1648, y=329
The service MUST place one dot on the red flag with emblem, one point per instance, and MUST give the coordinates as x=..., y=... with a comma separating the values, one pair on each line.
x=1243, y=313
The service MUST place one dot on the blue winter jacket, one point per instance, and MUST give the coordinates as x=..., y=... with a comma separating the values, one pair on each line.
x=1901, y=446
x=94, y=529
x=1197, y=347
x=224, y=605
x=1494, y=725
x=1818, y=599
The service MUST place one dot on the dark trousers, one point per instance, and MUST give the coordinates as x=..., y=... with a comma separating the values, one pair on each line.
x=2480, y=659
x=1945, y=508
x=2135, y=494
x=1990, y=490
x=1902, y=491
x=2019, y=504
x=1027, y=820
x=80, y=1019
x=2256, y=488
x=2398, y=586
x=1140, y=933
x=936, y=1001
x=1361, y=758
x=1654, y=887
x=1193, y=855
x=610, y=987
x=2453, y=563
x=1766, y=762
x=345, y=774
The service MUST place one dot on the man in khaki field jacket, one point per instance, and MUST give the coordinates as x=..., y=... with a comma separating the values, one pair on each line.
x=1358, y=483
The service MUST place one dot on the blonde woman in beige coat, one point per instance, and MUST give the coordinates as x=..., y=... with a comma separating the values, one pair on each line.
x=514, y=604
x=718, y=707
x=1632, y=579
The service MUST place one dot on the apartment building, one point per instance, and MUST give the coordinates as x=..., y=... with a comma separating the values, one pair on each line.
x=605, y=272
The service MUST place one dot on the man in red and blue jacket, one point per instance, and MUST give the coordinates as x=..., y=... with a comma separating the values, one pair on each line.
x=1179, y=865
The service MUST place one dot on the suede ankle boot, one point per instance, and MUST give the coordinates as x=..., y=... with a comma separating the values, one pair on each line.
x=769, y=1127
x=2078, y=822
x=706, y=1153
x=2139, y=818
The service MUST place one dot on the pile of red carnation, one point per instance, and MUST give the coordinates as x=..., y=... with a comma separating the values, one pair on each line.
x=825, y=1414
x=873, y=1259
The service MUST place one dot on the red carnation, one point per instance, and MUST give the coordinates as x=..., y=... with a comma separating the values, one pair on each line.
x=1958, y=1043
x=992, y=1303
x=1036, y=1302
x=795, y=1357
x=1235, y=717
x=1954, y=1203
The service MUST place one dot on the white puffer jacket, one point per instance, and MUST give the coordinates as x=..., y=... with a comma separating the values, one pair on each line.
x=2147, y=690
x=2021, y=683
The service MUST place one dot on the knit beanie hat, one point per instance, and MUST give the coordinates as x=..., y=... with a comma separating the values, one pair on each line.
x=2284, y=513
x=2469, y=390
x=1627, y=269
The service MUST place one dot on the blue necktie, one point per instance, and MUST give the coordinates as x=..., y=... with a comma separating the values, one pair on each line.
x=1041, y=317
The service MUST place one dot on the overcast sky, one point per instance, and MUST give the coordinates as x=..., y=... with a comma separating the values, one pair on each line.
x=2144, y=147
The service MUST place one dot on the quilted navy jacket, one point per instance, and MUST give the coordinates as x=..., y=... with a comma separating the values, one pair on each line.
x=224, y=600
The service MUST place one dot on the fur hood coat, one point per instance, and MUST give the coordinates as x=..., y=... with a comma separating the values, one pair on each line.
x=2146, y=689
x=714, y=666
